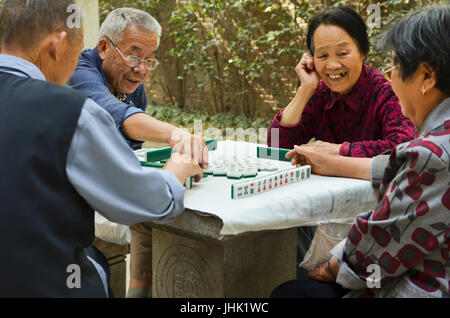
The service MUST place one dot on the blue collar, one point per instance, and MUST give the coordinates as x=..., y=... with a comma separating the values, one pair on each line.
x=95, y=56
x=15, y=65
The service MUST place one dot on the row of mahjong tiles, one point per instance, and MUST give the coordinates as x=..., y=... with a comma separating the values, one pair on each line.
x=269, y=182
x=274, y=173
x=232, y=167
x=237, y=168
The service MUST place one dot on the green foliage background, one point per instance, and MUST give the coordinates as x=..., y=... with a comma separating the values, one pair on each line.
x=233, y=48
x=234, y=51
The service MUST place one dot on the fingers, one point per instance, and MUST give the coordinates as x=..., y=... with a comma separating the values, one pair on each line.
x=308, y=55
x=311, y=144
x=326, y=147
x=313, y=274
x=307, y=62
x=181, y=141
x=194, y=146
x=319, y=143
x=321, y=273
x=200, y=154
x=184, y=166
x=198, y=178
x=188, y=161
x=306, y=155
x=198, y=173
x=316, y=273
x=197, y=148
x=298, y=159
x=204, y=163
x=180, y=159
x=294, y=151
x=197, y=169
x=190, y=152
x=303, y=150
x=291, y=154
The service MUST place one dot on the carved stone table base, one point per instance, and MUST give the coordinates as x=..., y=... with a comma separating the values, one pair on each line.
x=190, y=264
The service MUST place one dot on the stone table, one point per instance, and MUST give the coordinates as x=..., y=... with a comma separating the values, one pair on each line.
x=221, y=247
x=191, y=259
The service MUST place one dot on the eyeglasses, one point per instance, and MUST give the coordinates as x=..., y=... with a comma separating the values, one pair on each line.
x=134, y=61
x=387, y=72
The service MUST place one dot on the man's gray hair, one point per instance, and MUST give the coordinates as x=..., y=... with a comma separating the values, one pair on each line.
x=120, y=19
x=25, y=23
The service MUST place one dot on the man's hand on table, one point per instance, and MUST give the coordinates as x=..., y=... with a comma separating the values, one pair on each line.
x=193, y=146
x=183, y=166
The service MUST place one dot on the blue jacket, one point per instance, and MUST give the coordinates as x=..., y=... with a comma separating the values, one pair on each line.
x=89, y=78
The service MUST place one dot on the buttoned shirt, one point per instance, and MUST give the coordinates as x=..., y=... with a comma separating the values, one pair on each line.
x=89, y=78
x=367, y=122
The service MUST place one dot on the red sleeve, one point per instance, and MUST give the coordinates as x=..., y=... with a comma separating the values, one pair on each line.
x=396, y=127
x=302, y=132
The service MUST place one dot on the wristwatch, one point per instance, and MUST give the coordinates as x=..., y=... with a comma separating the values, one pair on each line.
x=331, y=260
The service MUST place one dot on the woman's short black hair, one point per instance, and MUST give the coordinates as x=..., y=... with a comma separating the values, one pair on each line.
x=345, y=18
x=422, y=37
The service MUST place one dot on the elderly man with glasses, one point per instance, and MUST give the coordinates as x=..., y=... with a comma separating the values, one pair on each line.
x=112, y=74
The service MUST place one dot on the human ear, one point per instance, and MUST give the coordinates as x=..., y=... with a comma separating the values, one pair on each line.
x=429, y=77
x=102, y=49
x=56, y=45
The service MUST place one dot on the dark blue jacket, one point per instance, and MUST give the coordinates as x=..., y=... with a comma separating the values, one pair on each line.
x=89, y=78
x=45, y=223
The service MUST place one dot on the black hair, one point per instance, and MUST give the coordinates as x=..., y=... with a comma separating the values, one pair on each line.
x=422, y=37
x=25, y=23
x=345, y=18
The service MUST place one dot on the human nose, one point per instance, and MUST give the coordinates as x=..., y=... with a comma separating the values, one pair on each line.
x=141, y=68
x=334, y=65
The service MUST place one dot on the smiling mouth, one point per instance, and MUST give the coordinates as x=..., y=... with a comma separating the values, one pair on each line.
x=337, y=76
x=134, y=82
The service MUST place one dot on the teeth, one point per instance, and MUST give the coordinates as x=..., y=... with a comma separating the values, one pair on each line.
x=336, y=76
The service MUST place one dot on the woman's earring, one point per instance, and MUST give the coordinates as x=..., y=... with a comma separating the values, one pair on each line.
x=424, y=92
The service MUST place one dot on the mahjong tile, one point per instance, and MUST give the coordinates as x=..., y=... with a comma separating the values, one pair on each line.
x=219, y=172
x=250, y=173
x=234, y=174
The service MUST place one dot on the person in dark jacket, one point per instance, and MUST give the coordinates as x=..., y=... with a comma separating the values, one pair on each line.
x=62, y=158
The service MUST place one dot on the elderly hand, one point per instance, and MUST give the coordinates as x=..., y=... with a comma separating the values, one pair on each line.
x=183, y=166
x=183, y=142
x=332, y=149
x=307, y=73
x=320, y=160
x=325, y=272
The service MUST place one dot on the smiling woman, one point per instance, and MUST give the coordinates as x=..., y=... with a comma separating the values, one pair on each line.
x=346, y=105
x=402, y=247
x=340, y=34
x=337, y=58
